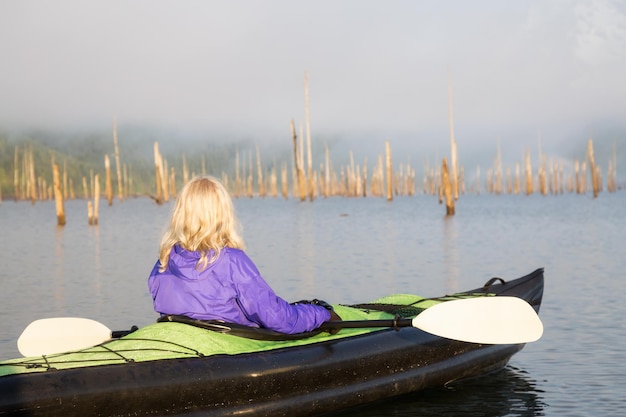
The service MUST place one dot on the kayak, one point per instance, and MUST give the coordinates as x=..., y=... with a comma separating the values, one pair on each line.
x=180, y=366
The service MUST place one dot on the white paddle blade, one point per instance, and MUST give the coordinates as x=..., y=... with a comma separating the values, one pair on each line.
x=487, y=320
x=61, y=334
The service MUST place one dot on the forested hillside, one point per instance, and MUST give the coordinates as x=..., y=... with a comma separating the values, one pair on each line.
x=82, y=155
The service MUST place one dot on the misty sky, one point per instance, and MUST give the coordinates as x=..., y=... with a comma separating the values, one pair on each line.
x=379, y=69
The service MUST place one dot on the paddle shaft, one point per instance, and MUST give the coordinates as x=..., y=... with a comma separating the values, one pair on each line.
x=116, y=334
x=358, y=324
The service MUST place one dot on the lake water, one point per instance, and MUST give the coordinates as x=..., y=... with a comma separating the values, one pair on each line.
x=354, y=250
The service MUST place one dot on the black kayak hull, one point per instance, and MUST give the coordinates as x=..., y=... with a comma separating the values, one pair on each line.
x=297, y=381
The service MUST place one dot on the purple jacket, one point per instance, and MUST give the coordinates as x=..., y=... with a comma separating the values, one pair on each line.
x=229, y=289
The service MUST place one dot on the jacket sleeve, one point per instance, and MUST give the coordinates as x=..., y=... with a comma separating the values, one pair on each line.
x=262, y=306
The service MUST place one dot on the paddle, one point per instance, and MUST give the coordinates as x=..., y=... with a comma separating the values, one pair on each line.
x=63, y=334
x=487, y=320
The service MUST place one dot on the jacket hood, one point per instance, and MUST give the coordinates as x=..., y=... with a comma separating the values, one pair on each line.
x=182, y=263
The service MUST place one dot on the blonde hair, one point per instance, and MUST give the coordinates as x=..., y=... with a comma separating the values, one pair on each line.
x=202, y=220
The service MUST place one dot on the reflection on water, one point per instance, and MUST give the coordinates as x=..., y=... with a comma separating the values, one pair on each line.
x=304, y=247
x=76, y=248
x=59, y=262
x=94, y=235
x=450, y=254
x=510, y=392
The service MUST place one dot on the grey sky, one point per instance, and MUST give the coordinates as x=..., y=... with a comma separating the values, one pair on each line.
x=376, y=68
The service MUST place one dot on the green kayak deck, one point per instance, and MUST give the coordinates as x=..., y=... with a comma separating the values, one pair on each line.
x=170, y=340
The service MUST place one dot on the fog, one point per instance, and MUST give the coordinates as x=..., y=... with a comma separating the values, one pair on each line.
x=528, y=75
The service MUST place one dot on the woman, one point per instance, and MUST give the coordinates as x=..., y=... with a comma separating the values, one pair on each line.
x=204, y=273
